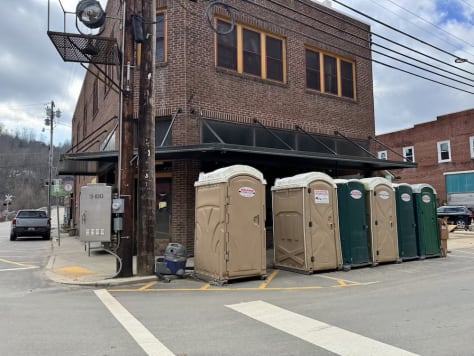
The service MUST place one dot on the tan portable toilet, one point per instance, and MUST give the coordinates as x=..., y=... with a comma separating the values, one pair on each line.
x=382, y=218
x=305, y=223
x=230, y=224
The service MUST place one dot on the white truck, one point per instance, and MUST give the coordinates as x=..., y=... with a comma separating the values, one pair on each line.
x=31, y=223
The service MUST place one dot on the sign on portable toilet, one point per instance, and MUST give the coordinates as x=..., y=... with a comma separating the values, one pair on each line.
x=230, y=224
x=406, y=223
x=429, y=243
x=305, y=223
x=353, y=228
x=382, y=217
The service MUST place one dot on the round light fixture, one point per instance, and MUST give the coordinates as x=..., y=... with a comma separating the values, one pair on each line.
x=90, y=13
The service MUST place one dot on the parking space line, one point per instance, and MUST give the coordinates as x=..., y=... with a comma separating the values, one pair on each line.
x=269, y=279
x=144, y=338
x=320, y=334
x=146, y=286
x=21, y=266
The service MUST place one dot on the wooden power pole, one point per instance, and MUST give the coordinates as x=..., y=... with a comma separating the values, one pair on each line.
x=146, y=145
x=125, y=250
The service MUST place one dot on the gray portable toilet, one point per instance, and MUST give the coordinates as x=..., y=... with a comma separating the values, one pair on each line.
x=382, y=217
x=230, y=224
x=305, y=223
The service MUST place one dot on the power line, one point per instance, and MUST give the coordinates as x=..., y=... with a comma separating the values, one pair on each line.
x=344, y=39
x=424, y=20
x=399, y=31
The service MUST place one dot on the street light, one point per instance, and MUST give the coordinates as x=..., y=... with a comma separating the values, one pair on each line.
x=50, y=115
x=90, y=13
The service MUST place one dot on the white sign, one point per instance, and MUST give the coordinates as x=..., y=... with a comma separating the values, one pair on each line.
x=405, y=197
x=384, y=195
x=321, y=196
x=355, y=194
x=247, y=192
x=426, y=198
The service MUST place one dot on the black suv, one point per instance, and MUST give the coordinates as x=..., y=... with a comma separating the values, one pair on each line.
x=457, y=215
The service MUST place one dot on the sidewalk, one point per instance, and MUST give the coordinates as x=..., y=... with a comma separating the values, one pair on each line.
x=71, y=263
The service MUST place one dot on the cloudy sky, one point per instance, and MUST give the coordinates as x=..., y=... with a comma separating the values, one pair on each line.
x=32, y=73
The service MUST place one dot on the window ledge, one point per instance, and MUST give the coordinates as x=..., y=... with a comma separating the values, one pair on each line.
x=251, y=77
x=332, y=96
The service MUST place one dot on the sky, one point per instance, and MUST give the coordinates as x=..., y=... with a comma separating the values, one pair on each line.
x=32, y=73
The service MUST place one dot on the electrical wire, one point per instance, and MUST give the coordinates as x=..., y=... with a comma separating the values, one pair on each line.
x=424, y=20
x=336, y=47
x=399, y=31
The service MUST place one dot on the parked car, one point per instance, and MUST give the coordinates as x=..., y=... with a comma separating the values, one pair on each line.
x=31, y=223
x=456, y=215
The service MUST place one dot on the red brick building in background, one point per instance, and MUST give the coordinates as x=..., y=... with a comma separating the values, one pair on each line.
x=445, y=145
x=271, y=93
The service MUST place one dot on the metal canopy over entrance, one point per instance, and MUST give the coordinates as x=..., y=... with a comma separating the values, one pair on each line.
x=232, y=143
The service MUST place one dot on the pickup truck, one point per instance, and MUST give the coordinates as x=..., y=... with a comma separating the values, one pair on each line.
x=31, y=223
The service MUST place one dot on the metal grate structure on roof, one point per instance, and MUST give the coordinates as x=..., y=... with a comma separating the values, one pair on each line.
x=85, y=48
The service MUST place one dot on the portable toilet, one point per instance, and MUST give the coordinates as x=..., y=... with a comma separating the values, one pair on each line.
x=406, y=223
x=382, y=217
x=230, y=224
x=353, y=228
x=429, y=243
x=305, y=223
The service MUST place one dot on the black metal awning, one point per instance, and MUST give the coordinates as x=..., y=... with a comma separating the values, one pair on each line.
x=95, y=162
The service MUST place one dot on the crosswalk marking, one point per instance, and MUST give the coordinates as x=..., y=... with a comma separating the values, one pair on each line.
x=147, y=341
x=331, y=338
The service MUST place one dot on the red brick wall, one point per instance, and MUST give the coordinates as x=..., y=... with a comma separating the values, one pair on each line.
x=190, y=80
x=456, y=127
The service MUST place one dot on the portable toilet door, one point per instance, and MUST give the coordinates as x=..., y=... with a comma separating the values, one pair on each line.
x=230, y=224
x=305, y=223
x=406, y=224
x=353, y=228
x=429, y=243
x=383, y=219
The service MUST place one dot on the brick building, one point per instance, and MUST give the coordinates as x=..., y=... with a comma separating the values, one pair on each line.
x=284, y=86
x=445, y=145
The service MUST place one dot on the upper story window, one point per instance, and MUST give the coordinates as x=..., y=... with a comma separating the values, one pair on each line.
x=471, y=145
x=409, y=154
x=382, y=154
x=251, y=51
x=330, y=74
x=160, y=54
x=444, y=151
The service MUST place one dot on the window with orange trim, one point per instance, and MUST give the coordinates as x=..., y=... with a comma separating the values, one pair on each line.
x=330, y=74
x=250, y=51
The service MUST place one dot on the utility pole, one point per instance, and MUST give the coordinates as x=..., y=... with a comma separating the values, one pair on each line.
x=126, y=174
x=50, y=115
x=146, y=144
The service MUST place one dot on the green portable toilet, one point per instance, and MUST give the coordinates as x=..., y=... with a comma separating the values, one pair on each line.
x=382, y=218
x=353, y=228
x=429, y=243
x=406, y=223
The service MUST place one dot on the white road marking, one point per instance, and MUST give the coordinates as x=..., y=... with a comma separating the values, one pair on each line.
x=331, y=338
x=17, y=268
x=144, y=338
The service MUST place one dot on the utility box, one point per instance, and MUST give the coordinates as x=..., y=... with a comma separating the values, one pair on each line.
x=406, y=223
x=95, y=213
x=305, y=223
x=382, y=217
x=429, y=244
x=353, y=227
x=230, y=238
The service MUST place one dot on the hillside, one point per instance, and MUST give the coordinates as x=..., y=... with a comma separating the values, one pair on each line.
x=24, y=170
